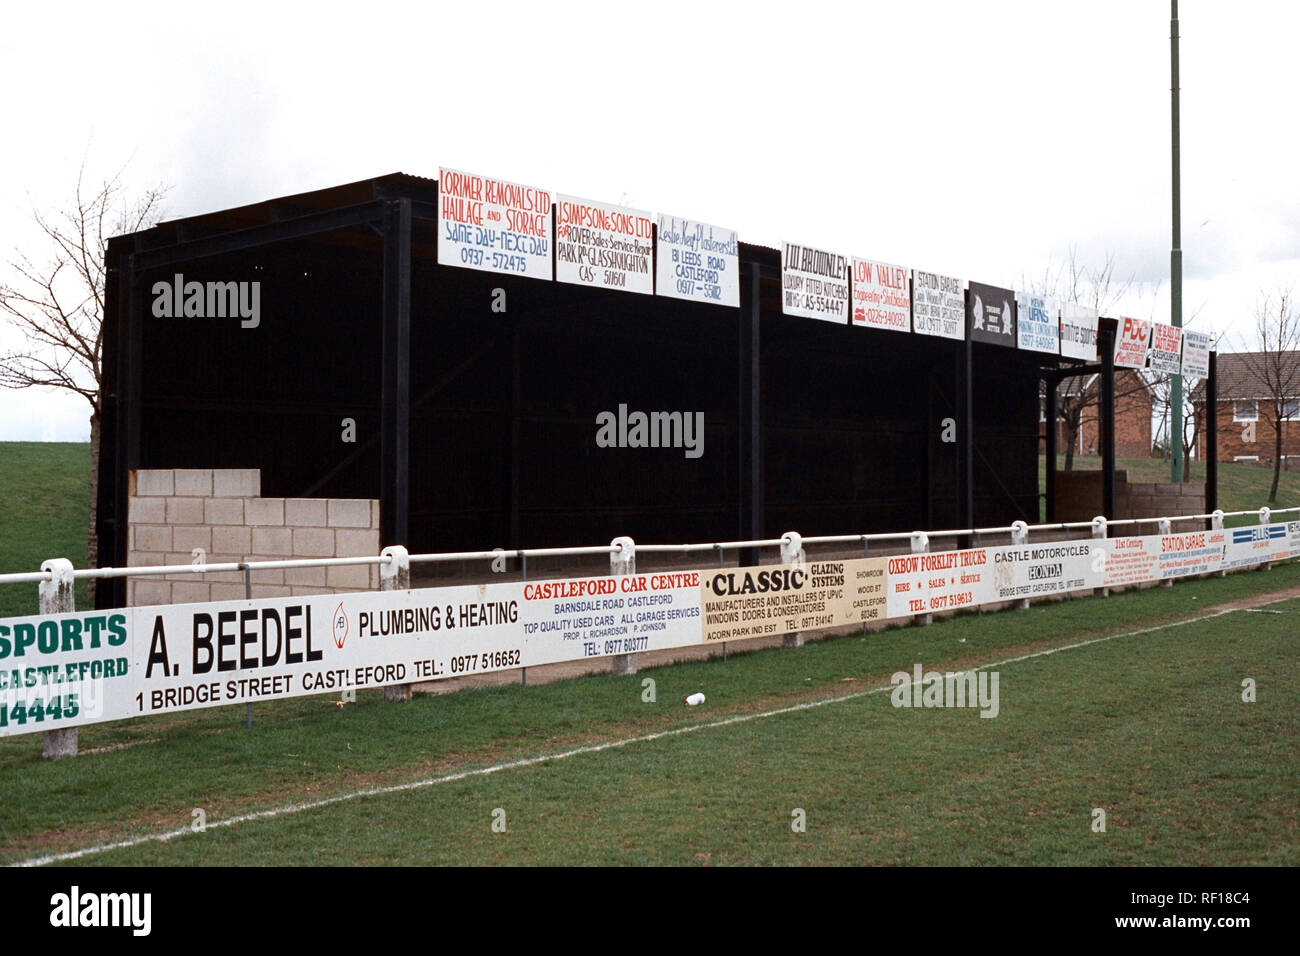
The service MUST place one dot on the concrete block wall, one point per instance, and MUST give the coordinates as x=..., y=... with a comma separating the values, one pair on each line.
x=1079, y=499
x=1151, y=499
x=173, y=511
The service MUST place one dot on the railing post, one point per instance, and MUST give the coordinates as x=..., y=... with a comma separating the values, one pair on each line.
x=395, y=575
x=58, y=596
x=1166, y=527
x=248, y=596
x=1264, y=515
x=523, y=576
x=622, y=562
x=1099, y=531
x=792, y=553
x=921, y=545
x=1020, y=535
x=1216, y=524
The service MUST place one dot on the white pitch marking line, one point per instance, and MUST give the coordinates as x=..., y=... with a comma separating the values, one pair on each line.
x=563, y=755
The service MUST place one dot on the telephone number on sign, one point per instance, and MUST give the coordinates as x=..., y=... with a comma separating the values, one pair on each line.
x=56, y=708
x=627, y=645
x=466, y=663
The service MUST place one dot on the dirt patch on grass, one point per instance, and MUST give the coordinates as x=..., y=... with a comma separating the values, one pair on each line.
x=124, y=745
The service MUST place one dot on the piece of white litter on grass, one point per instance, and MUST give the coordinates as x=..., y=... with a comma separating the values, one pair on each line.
x=694, y=699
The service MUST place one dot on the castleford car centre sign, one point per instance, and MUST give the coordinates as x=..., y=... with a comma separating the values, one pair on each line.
x=66, y=670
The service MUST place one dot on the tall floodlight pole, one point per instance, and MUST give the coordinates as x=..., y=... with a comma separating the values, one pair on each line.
x=1175, y=260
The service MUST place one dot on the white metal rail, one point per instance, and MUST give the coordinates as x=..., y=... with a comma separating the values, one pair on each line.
x=617, y=546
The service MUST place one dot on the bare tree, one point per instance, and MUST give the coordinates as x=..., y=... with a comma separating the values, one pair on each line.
x=1275, y=367
x=55, y=300
x=1098, y=288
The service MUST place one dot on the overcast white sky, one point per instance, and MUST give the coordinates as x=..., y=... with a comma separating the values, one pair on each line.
x=981, y=140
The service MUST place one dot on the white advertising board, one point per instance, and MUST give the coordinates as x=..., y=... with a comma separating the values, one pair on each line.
x=814, y=283
x=1033, y=570
x=609, y=247
x=697, y=262
x=939, y=581
x=938, y=305
x=1078, y=332
x=1038, y=323
x=882, y=296
x=493, y=225
x=1196, y=355
x=1131, y=342
x=1166, y=348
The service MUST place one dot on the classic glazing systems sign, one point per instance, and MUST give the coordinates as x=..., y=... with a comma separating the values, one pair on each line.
x=991, y=313
x=814, y=283
x=1037, y=323
x=71, y=669
x=1078, y=332
x=938, y=305
x=600, y=245
x=881, y=296
x=698, y=262
x=741, y=603
x=492, y=225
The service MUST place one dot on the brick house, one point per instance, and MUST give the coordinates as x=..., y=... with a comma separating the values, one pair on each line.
x=1245, y=421
x=1134, y=402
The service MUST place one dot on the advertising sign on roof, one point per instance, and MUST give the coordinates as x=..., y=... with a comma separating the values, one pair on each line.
x=1078, y=332
x=938, y=305
x=1196, y=354
x=698, y=262
x=600, y=245
x=992, y=315
x=1131, y=343
x=1038, y=326
x=881, y=296
x=1166, y=348
x=493, y=226
x=814, y=283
